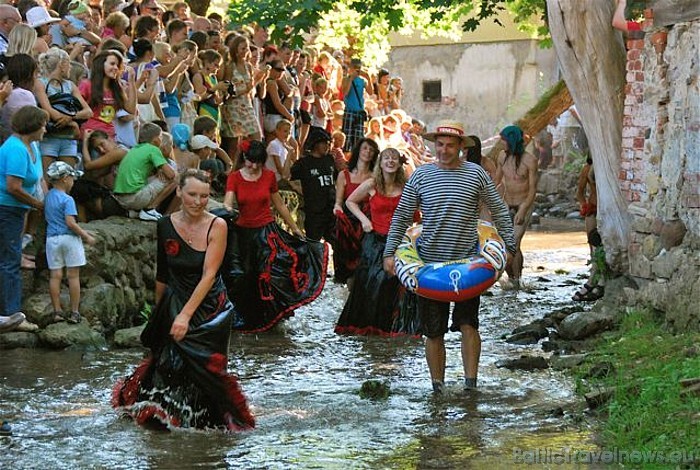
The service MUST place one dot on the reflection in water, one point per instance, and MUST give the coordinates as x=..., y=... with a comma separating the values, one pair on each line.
x=302, y=381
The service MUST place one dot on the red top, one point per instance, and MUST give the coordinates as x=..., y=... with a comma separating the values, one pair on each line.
x=634, y=26
x=381, y=210
x=253, y=198
x=349, y=185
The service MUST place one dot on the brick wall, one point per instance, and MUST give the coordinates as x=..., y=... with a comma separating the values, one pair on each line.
x=635, y=124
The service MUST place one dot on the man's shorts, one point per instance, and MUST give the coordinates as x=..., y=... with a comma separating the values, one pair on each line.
x=434, y=315
x=143, y=198
x=65, y=251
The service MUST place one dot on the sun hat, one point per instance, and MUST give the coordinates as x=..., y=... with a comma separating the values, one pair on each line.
x=58, y=170
x=39, y=16
x=200, y=141
x=452, y=129
x=78, y=7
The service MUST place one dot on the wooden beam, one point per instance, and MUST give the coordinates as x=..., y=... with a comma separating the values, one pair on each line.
x=668, y=12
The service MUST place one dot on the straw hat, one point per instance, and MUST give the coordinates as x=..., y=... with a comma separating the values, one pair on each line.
x=452, y=129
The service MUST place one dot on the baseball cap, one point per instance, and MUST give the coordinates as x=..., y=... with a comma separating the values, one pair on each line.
x=58, y=170
x=201, y=141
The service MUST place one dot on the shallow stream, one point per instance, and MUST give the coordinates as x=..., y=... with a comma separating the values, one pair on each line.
x=303, y=381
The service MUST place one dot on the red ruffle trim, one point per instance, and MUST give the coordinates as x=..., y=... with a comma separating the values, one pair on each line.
x=372, y=331
x=289, y=311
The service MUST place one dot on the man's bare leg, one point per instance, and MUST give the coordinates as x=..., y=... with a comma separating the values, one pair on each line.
x=471, y=352
x=436, y=356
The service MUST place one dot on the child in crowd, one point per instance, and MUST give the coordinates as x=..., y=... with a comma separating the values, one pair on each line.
x=208, y=89
x=207, y=126
x=78, y=18
x=282, y=152
x=64, y=247
x=338, y=142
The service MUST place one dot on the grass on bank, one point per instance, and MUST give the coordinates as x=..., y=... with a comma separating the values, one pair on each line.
x=647, y=411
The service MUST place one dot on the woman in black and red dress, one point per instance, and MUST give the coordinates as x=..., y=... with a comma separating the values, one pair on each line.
x=378, y=304
x=346, y=253
x=184, y=382
x=270, y=272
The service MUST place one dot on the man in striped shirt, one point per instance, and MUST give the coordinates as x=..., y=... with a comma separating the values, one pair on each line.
x=448, y=194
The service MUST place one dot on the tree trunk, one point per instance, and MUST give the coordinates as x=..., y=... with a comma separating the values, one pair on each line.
x=554, y=102
x=592, y=58
x=199, y=7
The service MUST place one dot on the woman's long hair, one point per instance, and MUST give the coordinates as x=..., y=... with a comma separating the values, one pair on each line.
x=355, y=154
x=378, y=174
x=233, y=49
x=21, y=40
x=97, y=79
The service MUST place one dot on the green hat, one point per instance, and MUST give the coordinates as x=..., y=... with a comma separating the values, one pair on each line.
x=77, y=7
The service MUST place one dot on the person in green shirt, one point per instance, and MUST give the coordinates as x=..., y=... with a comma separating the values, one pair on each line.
x=144, y=179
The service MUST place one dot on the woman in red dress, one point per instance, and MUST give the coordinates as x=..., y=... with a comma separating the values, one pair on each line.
x=269, y=272
x=348, y=229
x=378, y=304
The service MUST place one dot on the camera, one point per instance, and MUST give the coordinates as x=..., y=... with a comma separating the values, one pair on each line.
x=231, y=90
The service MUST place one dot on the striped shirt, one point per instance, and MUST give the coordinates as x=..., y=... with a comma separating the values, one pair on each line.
x=449, y=202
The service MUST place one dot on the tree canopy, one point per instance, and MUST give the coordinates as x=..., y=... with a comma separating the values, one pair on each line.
x=362, y=27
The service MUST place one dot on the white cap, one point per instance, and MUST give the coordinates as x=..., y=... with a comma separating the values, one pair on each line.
x=200, y=141
x=39, y=16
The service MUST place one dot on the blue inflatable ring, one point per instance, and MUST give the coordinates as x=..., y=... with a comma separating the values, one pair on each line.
x=451, y=281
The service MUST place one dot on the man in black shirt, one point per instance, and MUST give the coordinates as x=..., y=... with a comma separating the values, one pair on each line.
x=316, y=172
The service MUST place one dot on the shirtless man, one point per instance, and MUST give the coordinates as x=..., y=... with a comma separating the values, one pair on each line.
x=519, y=170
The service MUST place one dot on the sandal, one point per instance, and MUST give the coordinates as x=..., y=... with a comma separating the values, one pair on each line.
x=581, y=294
x=59, y=316
x=74, y=318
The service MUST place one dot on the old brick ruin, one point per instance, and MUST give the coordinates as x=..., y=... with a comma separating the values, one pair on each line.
x=660, y=168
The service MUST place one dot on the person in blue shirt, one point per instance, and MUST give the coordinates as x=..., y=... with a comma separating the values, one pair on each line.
x=64, y=239
x=353, y=88
x=20, y=173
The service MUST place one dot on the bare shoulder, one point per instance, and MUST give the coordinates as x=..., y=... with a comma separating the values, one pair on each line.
x=530, y=160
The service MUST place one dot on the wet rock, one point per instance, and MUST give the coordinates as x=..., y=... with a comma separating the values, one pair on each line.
x=528, y=363
x=599, y=397
x=573, y=215
x=560, y=314
x=375, y=390
x=528, y=334
x=581, y=325
x=128, y=337
x=535, y=219
x=559, y=346
x=567, y=361
x=18, y=339
x=62, y=335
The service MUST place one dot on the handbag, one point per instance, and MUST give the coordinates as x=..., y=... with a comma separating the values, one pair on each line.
x=64, y=103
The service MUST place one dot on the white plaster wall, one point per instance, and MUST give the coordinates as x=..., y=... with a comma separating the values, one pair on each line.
x=486, y=86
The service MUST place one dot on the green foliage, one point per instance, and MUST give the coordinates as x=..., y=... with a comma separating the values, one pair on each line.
x=362, y=27
x=602, y=270
x=647, y=411
x=146, y=311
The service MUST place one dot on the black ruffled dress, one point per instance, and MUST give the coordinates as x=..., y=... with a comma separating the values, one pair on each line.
x=185, y=384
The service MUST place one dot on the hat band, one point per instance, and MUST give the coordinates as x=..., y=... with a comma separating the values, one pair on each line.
x=449, y=130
